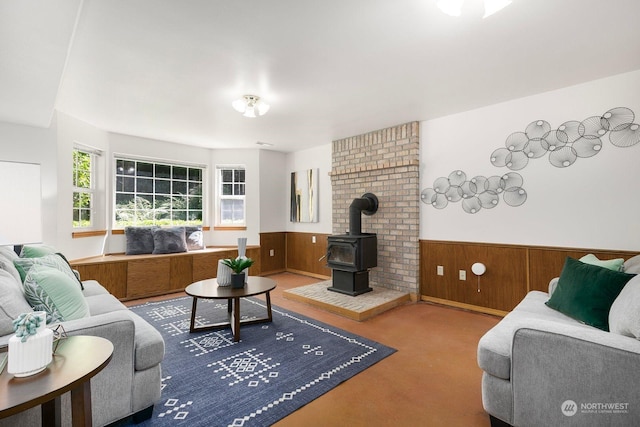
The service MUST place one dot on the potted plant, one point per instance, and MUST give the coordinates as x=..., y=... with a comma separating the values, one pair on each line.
x=238, y=266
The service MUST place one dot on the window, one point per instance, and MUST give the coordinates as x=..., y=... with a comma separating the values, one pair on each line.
x=231, y=196
x=153, y=193
x=83, y=188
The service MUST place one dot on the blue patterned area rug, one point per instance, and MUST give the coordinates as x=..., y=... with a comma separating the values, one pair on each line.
x=275, y=368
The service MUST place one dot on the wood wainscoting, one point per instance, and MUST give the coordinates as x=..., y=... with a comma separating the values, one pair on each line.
x=273, y=252
x=512, y=271
x=304, y=253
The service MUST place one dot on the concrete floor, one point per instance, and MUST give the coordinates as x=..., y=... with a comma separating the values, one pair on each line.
x=432, y=380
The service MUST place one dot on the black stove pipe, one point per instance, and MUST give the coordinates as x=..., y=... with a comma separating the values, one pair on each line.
x=367, y=204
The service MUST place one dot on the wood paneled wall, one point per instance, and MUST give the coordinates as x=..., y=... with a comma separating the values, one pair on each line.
x=303, y=254
x=276, y=242
x=512, y=271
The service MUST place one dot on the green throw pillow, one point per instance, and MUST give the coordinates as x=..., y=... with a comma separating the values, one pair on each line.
x=611, y=264
x=48, y=289
x=585, y=292
x=29, y=251
x=57, y=261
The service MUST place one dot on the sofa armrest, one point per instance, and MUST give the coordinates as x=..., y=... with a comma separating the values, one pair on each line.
x=118, y=328
x=557, y=363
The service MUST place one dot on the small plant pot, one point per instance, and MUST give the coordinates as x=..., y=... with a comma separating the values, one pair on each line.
x=237, y=280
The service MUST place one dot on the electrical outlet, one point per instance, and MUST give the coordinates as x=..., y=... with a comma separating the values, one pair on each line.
x=272, y=252
x=313, y=239
x=440, y=270
x=462, y=274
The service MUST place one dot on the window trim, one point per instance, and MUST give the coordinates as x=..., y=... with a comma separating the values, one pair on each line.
x=218, y=206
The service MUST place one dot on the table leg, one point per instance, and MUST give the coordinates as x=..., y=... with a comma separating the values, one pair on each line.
x=192, y=325
x=50, y=412
x=235, y=322
x=81, y=405
x=268, y=297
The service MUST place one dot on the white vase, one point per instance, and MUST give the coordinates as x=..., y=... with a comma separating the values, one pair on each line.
x=224, y=274
x=33, y=355
x=242, y=247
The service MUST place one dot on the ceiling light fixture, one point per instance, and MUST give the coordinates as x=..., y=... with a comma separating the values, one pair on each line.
x=250, y=106
x=454, y=7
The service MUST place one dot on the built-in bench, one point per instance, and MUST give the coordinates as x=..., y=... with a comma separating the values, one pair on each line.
x=136, y=276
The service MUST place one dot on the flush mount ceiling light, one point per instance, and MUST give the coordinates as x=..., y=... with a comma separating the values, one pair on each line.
x=454, y=7
x=250, y=106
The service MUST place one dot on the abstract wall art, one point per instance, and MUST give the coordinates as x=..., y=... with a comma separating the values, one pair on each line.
x=304, y=196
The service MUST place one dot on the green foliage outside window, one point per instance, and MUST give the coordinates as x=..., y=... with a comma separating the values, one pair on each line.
x=148, y=193
x=82, y=193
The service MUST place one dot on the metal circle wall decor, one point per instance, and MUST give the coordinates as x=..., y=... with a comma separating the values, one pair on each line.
x=478, y=193
x=572, y=140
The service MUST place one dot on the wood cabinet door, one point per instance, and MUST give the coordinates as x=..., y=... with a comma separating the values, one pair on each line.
x=148, y=277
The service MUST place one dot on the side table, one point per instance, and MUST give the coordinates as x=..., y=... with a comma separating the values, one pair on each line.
x=76, y=361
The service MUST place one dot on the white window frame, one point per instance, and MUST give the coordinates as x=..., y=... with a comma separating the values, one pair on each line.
x=220, y=197
x=90, y=191
x=154, y=162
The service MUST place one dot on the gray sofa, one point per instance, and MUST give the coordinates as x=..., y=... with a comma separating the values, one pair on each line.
x=543, y=368
x=130, y=384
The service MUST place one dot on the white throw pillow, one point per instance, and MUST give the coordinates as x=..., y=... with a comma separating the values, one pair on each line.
x=624, y=315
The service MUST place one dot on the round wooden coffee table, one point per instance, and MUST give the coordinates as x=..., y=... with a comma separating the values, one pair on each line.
x=76, y=360
x=209, y=289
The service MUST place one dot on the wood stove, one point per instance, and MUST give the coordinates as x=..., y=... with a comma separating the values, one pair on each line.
x=351, y=255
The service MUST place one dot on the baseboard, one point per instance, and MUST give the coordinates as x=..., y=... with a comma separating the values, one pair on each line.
x=464, y=306
x=306, y=273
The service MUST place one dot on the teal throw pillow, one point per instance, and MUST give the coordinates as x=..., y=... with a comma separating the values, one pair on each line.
x=611, y=264
x=29, y=251
x=50, y=290
x=586, y=292
x=56, y=261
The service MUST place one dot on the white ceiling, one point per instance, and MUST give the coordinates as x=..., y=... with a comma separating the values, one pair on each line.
x=168, y=70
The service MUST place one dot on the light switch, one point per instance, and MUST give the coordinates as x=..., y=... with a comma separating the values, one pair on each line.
x=463, y=274
x=440, y=270
x=272, y=252
x=313, y=239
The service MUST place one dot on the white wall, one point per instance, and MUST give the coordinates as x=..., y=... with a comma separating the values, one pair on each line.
x=273, y=200
x=251, y=160
x=313, y=158
x=69, y=132
x=592, y=203
x=28, y=144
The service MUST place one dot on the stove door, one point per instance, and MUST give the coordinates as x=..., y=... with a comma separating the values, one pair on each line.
x=342, y=255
